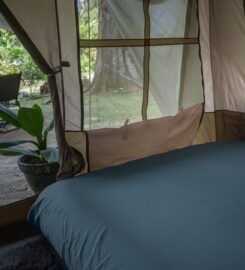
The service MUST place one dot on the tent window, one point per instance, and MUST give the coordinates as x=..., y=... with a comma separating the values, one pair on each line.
x=113, y=40
x=111, y=99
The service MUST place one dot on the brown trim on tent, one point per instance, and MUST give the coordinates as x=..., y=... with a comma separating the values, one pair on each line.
x=24, y=38
x=211, y=52
x=200, y=57
x=146, y=65
x=87, y=151
x=222, y=125
x=60, y=60
x=71, y=161
x=207, y=130
x=200, y=54
x=230, y=125
x=79, y=64
x=104, y=43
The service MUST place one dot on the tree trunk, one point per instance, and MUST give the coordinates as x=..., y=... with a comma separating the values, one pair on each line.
x=114, y=69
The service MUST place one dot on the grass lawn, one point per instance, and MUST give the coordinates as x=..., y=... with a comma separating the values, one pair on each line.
x=112, y=109
x=103, y=110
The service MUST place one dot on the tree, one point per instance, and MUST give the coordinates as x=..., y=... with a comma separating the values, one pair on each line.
x=109, y=68
x=14, y=59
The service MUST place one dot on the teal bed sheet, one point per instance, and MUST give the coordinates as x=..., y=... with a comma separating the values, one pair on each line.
x=183, y=210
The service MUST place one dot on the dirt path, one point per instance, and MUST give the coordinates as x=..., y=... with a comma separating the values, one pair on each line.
x=13, y=186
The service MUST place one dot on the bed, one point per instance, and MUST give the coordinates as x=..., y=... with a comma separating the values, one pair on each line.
x=180, y=210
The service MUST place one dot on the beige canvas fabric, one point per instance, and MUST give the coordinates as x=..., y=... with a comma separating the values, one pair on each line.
x=71, y=75
x=222, y=42
x=109, y=147
x=204, y=20
x=207, y=130
x=227, y=28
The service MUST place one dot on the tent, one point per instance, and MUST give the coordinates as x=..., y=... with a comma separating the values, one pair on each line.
x=187, y=54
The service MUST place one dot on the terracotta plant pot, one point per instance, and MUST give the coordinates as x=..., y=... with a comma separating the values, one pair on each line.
x=38, y=175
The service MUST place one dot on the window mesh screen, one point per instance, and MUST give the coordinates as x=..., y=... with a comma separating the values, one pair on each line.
x=124, y=81
x=99, y=19
x=113, y=86
x=173, y=19
x=177, y=84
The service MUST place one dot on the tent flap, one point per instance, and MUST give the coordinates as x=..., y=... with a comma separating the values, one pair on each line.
x=39, y=27
x=222, y=39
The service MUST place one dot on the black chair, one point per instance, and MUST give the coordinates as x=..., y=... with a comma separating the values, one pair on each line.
x=9, y=89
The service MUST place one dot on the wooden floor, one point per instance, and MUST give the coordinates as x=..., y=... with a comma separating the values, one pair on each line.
x=13, y=222
x=16, y=232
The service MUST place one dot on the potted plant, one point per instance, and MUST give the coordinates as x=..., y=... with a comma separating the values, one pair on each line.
x=39, y=163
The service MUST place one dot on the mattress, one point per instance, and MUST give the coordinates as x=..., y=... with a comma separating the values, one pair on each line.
x=180, y=210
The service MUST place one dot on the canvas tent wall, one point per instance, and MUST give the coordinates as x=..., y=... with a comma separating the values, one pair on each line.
x=49, y=30
x=222, y=41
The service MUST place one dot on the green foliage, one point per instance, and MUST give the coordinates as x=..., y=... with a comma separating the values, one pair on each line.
x=17, y=151
x=31, y=74
x=9, y=116
x=31, y=120
x=89, y=29
x=15, y=59
x=50, y=155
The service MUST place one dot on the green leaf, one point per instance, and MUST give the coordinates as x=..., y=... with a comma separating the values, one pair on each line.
x=17, y=151
x=10, y=143
x=50, y=155
x=9, y=116
x=32, y=120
